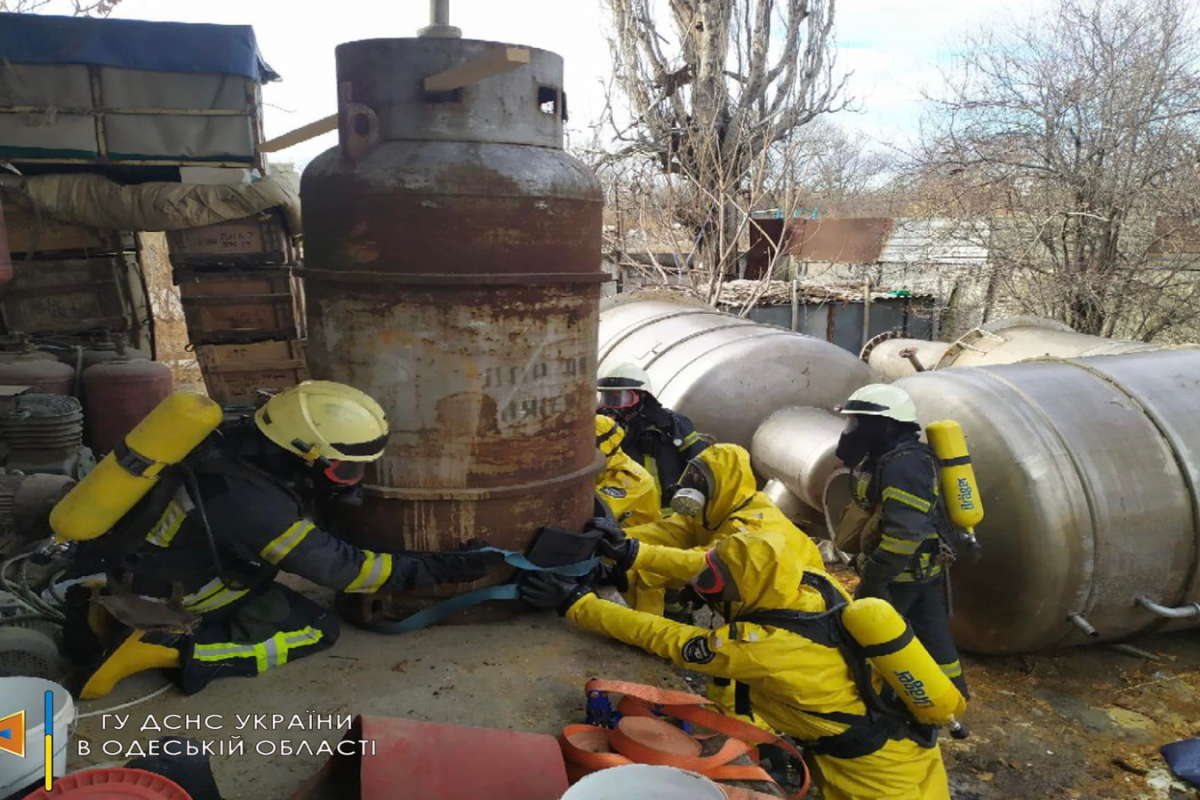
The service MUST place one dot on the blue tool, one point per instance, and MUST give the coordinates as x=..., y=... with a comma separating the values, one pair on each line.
x=509, y=591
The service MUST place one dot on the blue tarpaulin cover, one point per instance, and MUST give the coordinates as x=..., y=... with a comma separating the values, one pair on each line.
x=133, y=44
x=1184, y=759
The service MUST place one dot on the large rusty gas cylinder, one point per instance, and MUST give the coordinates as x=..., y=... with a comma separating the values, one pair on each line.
x=117, y=394
x=452, y=271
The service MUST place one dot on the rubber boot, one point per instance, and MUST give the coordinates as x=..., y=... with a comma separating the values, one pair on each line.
x=136, y=652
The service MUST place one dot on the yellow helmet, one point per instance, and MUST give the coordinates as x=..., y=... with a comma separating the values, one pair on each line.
x=323, y=419
x=609, y=434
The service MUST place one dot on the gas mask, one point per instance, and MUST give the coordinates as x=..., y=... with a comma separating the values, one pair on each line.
x=863, y=436
x=690, y=496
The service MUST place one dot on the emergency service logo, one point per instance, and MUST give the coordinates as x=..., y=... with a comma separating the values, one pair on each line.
x=13, y=730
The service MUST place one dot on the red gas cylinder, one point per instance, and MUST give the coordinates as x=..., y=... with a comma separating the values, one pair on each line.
x=39, y=370
x=117, y=395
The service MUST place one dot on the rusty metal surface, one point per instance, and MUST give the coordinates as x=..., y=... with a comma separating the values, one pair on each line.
x=117, y=395
x=452, y=272
x=841, y=241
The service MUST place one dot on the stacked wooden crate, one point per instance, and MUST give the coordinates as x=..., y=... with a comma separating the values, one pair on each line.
x=243, y=304
x=70, y=279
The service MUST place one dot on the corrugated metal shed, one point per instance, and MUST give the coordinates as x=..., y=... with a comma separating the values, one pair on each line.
x=937, y=241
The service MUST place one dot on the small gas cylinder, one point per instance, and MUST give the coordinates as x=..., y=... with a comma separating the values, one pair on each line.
x=36, y=369
x=117, y=395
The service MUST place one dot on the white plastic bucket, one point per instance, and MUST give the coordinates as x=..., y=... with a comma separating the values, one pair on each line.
x=644, y=782
x=29, y=695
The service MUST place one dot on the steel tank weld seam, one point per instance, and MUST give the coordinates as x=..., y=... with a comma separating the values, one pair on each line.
x=1089, y=547
x=403, y=493
x=764, y=335
x=619, y=338
x=1180, y=462
x=691, y=336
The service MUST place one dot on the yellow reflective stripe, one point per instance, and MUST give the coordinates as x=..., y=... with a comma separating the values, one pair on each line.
x=689, y=440
x=163, y=532
x=901, y=496
x=953, y=669
x=374, y=572
x=903, y=547
x=279, y=547
x=211, y=596
x=271, y=653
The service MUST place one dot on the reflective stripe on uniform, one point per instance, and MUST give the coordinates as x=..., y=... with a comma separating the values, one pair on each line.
x=953, y=669
x=374, y=572
x=901, y=496
x=211, y=596
x=904, y=547
x=163, y=532
x=689, y=440
x=279, y=547
x=271, y=653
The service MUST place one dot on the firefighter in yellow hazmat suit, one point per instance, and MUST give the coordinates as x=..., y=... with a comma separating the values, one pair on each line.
x=625, y=486
x=717, y=497
x=802, y=684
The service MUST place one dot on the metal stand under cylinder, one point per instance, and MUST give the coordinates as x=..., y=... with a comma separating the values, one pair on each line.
x=452, y=272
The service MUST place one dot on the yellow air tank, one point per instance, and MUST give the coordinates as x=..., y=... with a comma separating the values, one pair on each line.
x=164, y=437
x=903, y=661
x=959, y=488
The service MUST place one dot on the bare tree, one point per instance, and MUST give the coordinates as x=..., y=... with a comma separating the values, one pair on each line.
x=711, y=87
x=1079, y=133
x=78, y=8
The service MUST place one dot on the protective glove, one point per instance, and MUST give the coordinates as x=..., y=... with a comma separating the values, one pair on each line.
x=623, y=552
x=466, y=565
x=610, y=531
x=545, y=590
x=604, y=575
x=870, y=588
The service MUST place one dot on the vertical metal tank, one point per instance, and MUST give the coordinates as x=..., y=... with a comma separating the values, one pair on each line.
x=725, y=373
x=452, y=271
x=1089, y=470
x=1004, y=341
x=117, y=395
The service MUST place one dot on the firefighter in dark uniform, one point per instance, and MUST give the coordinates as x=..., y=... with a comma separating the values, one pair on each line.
x=906, y=535
x=661, y=440
x=214, y=532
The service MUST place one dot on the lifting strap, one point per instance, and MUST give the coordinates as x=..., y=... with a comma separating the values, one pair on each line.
x=587, y=748
x=508, y=591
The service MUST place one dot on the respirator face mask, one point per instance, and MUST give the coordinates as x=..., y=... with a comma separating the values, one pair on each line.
x=690, y=498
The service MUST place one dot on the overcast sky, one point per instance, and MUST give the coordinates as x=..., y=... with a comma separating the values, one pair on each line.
x=892, y=46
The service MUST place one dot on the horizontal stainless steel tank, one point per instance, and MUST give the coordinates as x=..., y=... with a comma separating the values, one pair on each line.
x=795, y=446
x=1088, y=469
x=452, y=272
x=725, y=373
x=1004, y=341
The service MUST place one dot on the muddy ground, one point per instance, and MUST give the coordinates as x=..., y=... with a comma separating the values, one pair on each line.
x=1082, y=723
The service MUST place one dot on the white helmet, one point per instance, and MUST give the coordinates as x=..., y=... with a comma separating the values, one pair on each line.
x=881, y=400
x=625, y=376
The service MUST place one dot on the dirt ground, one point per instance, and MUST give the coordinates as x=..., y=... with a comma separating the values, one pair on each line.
x=1083, y=723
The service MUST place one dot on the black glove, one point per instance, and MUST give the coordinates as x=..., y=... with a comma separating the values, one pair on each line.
x=623, y=552
x=545, y=590
x=870, y=588
x=605, y=575
x=466, y=565
x=607, y=527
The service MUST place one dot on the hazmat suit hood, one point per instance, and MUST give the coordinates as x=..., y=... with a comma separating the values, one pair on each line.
x=609, y=436
x=766, y=574
x=730, y=482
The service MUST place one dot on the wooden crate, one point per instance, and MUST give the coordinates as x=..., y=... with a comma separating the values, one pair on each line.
x=233, y=373
x=258, y=240
x=239, y=306
x=50, y=239
x=70, y=296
